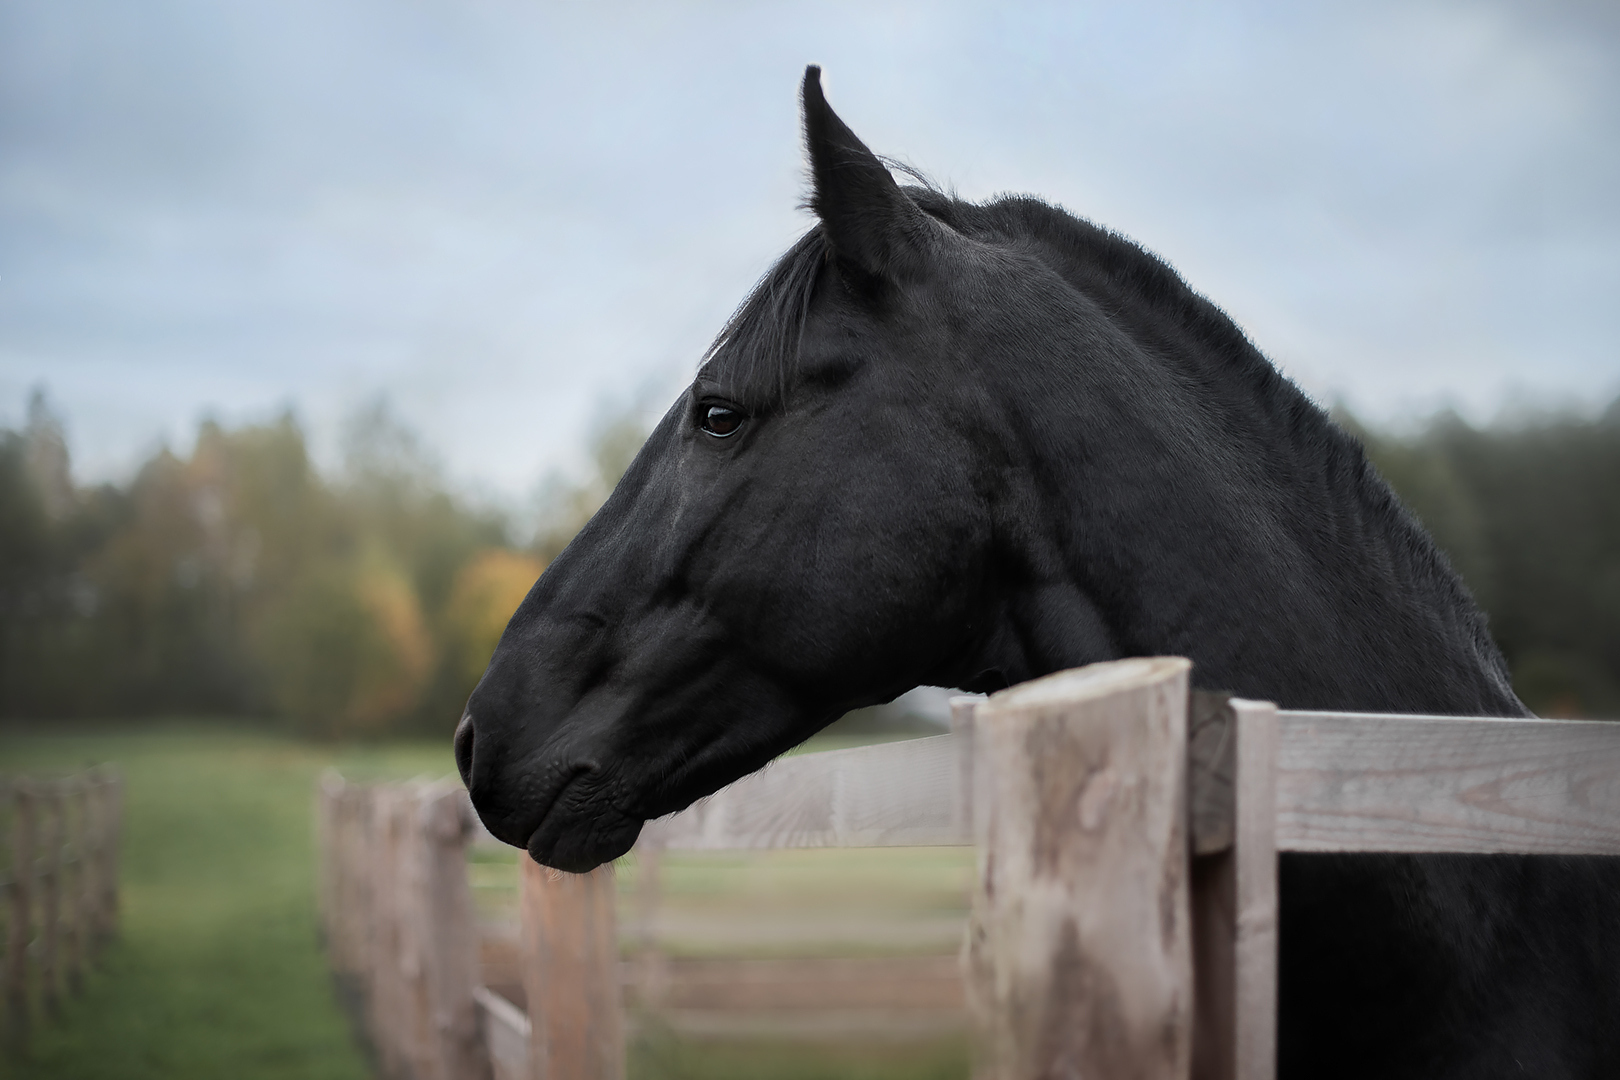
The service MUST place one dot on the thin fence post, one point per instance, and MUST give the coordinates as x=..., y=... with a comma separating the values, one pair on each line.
x=326, y=800
x=113, y=824
x=385, y=992
x=77, y=800
x=652, y=965
x=21, y=915
x=95, y=828
x=415, y=933
x=1078, y=957
x=450, y=943
x=50, y=896
x=360, y=922
x=570, y=974
x=1234, y=905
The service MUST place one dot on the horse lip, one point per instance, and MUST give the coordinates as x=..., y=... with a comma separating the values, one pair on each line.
x=577, y=773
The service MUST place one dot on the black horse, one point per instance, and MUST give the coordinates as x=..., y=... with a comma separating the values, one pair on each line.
x=967, y=445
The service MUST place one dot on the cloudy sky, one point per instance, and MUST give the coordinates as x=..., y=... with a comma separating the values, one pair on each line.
x=514, y=217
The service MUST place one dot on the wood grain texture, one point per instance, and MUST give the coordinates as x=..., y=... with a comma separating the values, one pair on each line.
x=1211, y=768
x=449, y=936
x=52, y=841
x=571, y=974
x=1078, y=954
x=1353, y=782
x=1257, y=920
x=20, y=918
x=506, y=1035
x=901, y=794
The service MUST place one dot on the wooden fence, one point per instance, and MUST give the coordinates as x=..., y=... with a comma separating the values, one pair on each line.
x=60, y=887
x=398, y=921
x=1125, y=914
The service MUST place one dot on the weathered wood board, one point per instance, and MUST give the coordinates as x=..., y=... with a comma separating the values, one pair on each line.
x=1079, y=951
x=571, y=974
x=900, y=794
x=1351, y=782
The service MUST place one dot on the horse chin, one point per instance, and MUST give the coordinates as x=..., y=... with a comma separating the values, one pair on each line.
x=580, y=840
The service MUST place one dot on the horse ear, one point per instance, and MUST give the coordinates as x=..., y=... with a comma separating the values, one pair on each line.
x=870, y=223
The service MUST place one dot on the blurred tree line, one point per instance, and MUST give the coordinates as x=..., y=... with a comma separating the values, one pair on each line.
x=1528, y=511
x=241, y=580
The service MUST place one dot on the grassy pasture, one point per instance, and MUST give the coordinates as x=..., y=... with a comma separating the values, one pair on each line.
x=218, y=971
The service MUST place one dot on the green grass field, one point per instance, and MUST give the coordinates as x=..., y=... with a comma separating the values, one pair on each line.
x=218, y=970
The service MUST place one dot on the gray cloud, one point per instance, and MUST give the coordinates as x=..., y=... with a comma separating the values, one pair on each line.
x=506, y=213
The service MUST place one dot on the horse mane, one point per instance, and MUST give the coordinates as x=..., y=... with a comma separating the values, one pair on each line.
x=757, y=348
x=757, y=354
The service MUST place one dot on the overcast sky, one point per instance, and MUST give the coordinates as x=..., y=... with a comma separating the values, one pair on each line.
x=512, y=217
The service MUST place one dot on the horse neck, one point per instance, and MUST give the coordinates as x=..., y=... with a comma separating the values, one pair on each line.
x=1248, y=532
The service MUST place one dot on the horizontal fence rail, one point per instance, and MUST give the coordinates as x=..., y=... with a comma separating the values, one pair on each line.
x=1359, y=782
x=900, y=794
x=1126, y=829
x=1346, y=782
x=60, y=887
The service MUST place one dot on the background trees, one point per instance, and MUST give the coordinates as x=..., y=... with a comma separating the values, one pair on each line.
x=1529, y=514
x=241, y=580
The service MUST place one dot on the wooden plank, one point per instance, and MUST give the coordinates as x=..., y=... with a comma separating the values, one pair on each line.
x=911, y=793
x=1234, y=902
x=419, y=1042
x=113, y=808
x=352, y=915
x=882, y=984
x=1365, y=782
x=1078, y=955
x=1258, y=914
x=1211, y=770
x=450, y=946
x=328, y=811
x=50, y=896
x=899, y=794
x=506, y=1035
x=21, y=916
x=652, y=965
x=78, y=894
x=571, y=974
x=386, y=991
x=962, y=712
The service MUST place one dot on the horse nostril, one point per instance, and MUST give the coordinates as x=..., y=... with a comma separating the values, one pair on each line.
x=464, y=749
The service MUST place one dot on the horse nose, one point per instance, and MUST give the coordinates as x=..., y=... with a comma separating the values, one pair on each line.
x=464, y=749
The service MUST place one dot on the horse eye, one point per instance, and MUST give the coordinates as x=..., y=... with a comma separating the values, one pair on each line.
x=720, y=421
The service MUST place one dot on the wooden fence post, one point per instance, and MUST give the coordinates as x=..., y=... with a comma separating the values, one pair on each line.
x=50, y=897
x=328, y=794
x=1234, y=893
x=20, y=918
x=78, y=898
x=1078, y=955
x=652, y=965
x=350, y=912
x=95, y=830
x=386, y=990
x=112, y=825
x=416, y=931
x=450, y=936
x=571, y=974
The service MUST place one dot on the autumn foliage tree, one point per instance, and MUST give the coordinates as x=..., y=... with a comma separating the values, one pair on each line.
x=241, y=580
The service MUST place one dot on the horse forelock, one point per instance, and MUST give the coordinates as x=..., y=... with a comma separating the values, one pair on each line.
x=756, y=353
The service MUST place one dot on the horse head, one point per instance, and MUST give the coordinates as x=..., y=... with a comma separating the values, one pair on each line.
x=808, y=530
x=957, y=445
